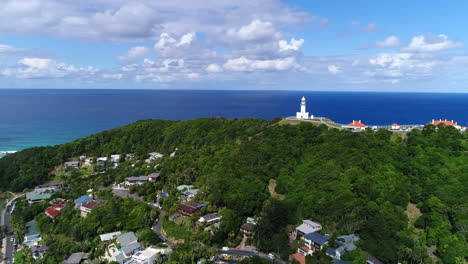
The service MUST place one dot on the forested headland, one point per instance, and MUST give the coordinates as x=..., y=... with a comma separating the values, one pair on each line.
x=368, y=183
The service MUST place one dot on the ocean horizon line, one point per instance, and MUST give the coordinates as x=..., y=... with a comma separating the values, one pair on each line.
x=230, y=90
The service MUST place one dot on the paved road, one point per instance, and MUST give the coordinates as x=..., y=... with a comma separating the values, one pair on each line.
x=250, y=253
x=9, y=237
x=157, y=228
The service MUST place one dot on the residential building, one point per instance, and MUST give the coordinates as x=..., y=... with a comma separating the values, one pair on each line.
x=109, y=236
x=129, y=243
x=306, y=227
x=54, y=210
x=184, y=187
x=72, y=165
x=129, y=181
x=38, y=251
x=247, y=229
x=395, y=126
x=190, y=194
x=447, y=123
x=38, y=195
x=32, y=232
x=299, y=258
x=83, y=199
x=76, y=258
x=86, y=208
x=146, y=256
x=115, y=158
x=209, y=219
x=315, y=241
x=357, y=125
x=128, y=246
x=372, y=260
x=54, y=186
x=189, y=209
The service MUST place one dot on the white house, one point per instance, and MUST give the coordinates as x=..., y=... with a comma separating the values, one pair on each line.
x=306, y=227
x=303, y=114
x=147, y=256
x=395, y=126
x=209, y=219
x=115, y=158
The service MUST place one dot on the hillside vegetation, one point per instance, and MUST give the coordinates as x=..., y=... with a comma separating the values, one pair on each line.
x=348, y=182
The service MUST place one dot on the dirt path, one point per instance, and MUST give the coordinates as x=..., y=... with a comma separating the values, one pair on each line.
x=413, y=213
x=271, y=189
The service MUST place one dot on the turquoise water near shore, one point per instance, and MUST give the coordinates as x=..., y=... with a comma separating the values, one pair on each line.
x=31, y=118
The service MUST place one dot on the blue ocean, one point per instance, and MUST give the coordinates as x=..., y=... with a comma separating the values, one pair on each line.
x=46, y=117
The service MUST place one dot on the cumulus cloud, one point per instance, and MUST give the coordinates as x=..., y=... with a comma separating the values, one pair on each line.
x=168, y=46
x=255, y=31
x=144, y=19
x=389, y=42
x=334, y=69
x=431, y=43
x=134, y=54
x=214, y=68
x=113, y=76
x=30, y=68
x=247, y=65
x=295, y=44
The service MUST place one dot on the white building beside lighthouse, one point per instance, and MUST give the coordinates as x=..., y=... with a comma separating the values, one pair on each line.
x=303, y=114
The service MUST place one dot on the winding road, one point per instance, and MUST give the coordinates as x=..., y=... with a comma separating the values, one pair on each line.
x=9, y=245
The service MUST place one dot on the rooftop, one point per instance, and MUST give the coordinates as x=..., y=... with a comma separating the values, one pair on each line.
x=32, y=228
x=356, y=124
x=317, y=238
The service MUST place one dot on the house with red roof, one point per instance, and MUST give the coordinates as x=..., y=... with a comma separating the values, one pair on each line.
x=54, y=210
x=299, y=258
x=356, y=125
x=395, y=126
x=446, y=123
x=86, y=208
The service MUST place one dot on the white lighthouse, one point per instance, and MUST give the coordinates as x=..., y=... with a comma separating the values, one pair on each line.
x=303, y=114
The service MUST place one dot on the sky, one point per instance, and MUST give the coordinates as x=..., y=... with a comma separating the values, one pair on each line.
x=333, y=45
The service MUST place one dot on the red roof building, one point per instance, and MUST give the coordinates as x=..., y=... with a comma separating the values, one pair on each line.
x=299, y=258
x=445, y=123
x=86, y=208
x=54, y=210
x=189, y=209
x=357, y=124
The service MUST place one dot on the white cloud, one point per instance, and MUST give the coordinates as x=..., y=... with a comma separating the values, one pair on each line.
x=334, y=69
x=171, y=47
x=30, y=68
x=255, y=31
x=133, y=54
x=295, y=44
x=389, y=42
x=214, y=68
x=248, y=65
x=193, y=75
x=144, y=19
x=113, y=76
x=431, y=43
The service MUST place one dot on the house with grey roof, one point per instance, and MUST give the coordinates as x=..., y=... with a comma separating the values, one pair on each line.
x=109, y=236
x=129, y=243
x=76, y=258
x=70, y=165
x=306, y=227
x=32, y=232
x=209, y=219
x=347, y=244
